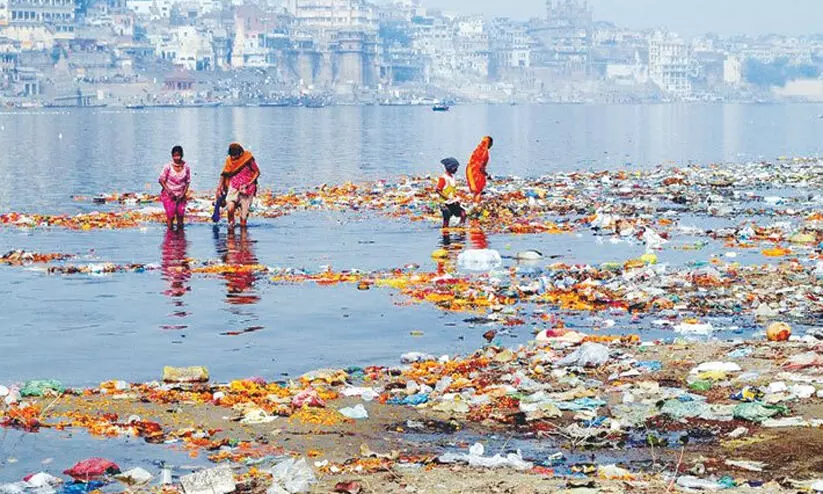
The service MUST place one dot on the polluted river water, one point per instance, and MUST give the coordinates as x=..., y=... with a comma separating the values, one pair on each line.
x=345, y=278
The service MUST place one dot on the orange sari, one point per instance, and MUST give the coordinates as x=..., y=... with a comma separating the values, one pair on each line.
x=476, y=169
x=232, y=166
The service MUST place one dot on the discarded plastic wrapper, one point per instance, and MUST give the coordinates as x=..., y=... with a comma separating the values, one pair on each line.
x=479, y=260
x=135, y=476
x=185, y=374
x=42, y=388
x=219, y=480
x=475, y=458
x=293, y=476
x=357, y=412
x=588, y=355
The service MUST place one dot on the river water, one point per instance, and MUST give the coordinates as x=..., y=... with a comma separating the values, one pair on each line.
x=87, y=329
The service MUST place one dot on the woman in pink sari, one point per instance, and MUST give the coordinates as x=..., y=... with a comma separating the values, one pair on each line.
x=175, y=180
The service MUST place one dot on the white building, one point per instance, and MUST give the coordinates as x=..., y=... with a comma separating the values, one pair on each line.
x=732, y=70
x=5, y=13
x=56, y=15
x=187, y=48
x=336, y=14
x=628, y=73
x=670, y=66
x=153, y=9
x=248, y=49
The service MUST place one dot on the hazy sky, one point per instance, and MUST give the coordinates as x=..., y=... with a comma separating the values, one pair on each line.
x=687, y=17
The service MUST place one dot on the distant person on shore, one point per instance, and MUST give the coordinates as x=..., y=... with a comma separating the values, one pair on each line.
x=238, y=181
x=476, y=169
x=447, y=190
x=175, y=180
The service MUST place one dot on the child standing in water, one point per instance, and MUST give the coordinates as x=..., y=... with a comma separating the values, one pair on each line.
x=447, y=190
x=175, y=180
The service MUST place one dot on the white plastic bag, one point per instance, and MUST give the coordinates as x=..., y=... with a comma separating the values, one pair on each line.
x=357, y=412
x=588, y=355
x=479, y=260
x=293, y=476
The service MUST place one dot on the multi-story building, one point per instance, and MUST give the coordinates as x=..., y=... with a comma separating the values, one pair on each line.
x=336, y=14
x=510, y=48
x=187, y=48
x=564, y=38
x=344, y=48
x=670, y=65
x=153, y=9
x=471, y=48
x=57, y=15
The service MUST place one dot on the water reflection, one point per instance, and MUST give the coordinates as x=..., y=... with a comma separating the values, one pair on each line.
x=452, y=242
x=175, y=266
x=236, y=250
x=478, y=239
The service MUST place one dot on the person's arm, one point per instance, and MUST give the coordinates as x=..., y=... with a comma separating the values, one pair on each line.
x=254, y=176
x=222, y=185
x=441, y=186
x=164, y=176
x=255, y=171
x=185, y=193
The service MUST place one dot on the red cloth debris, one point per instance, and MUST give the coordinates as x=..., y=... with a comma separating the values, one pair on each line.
x=92, y=468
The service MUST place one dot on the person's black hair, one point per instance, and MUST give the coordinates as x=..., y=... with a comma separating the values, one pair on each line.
x=177, y=150
x=235, y=150
x=491, y=142
x=451, y=164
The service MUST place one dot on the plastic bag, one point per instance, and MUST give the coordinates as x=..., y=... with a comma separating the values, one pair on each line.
x=479, y=260
x=475, y=458
x=135, y=476
x=218, y=480
x=588, y=355
x=82, y=487
x=42, y=387
x=412, y=400
x=716, y=367
x=690, y=482
x=757, y=412
x=15, y=488
x=293, y=476
x=42, y=480
x=357, y=412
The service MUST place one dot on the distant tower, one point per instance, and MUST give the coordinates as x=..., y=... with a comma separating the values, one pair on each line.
x=239, y=45
x=576, y=11
x=566, y=37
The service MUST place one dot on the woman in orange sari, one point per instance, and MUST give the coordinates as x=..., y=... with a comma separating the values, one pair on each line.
x=476, y=169
x=238, y=183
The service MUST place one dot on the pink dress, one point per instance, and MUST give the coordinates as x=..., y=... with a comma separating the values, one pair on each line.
x=176, y=183
x=242, y=181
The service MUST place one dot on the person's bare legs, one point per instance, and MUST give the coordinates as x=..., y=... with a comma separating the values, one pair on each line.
x=230, y=213
x=180, y=219
x=245, y=207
